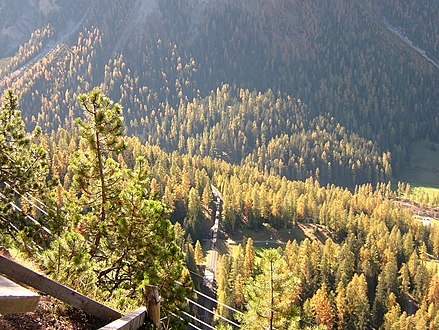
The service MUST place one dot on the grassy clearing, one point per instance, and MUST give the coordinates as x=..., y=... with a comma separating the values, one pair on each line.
x=427, y=195
x=268, y=237
x=270, y=234
x=423, y=171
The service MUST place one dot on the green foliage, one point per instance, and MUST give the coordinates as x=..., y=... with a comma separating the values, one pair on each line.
x=23, y=166
x=67, y=260
x=366, y=230
x=341, y=109
x=363, y=233
x=116, y=229
x=272, y=295
x=97, y=177
x=102, y=124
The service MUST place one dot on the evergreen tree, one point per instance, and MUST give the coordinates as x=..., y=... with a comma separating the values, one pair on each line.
x=129, y=240
x=271, y=295
x=23, y=164
x=97, y=177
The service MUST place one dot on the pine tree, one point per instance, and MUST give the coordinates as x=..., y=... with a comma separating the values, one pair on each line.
x=97, y=177
x=23, y=164
x=271, y=295
x=128, y=237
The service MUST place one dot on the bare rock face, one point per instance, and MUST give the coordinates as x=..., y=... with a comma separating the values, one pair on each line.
x=19, y=18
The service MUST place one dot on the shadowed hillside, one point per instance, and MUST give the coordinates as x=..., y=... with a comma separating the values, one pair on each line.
x=359, y=75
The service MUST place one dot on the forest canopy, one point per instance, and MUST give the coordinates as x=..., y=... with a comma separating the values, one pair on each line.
x=136, y=124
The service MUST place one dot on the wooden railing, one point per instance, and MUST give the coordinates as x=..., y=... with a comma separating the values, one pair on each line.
x=151, y=313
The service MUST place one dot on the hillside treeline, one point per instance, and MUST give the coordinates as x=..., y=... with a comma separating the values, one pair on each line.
x=351, y=73
x=372, y=268
x=415, y=19
x=276, y=133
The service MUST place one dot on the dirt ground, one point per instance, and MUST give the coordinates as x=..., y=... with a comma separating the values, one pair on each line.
x=50, y=314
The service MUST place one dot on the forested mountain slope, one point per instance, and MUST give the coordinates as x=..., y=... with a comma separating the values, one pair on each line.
x=21, y=18
x=297, y=111
x=354, y=82
x=376, y=268
x=415, y=19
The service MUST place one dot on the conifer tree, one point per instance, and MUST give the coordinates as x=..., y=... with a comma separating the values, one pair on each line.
x=322, y=308
x=23, y=164
x=130, y=241
x=357, y=303
x=194, y=213
x=272, y=295
x=199, y=257
x=391, y=318
x=249, y=259
x=404, y=280
x=96, y=175
x=224, y=289
x=236, y=277
x=207, y=196
x=341, y=304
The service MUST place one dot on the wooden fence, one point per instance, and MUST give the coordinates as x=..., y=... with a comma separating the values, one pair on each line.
x=134, y=320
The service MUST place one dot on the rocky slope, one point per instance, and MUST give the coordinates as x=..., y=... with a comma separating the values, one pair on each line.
x=21, y=17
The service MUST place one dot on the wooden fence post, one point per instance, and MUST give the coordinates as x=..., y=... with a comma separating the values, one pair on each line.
x=152, y=304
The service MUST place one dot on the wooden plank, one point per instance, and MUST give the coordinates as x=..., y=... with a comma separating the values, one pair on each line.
x=21, y=274
x=132, y=321
x=15, y=299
